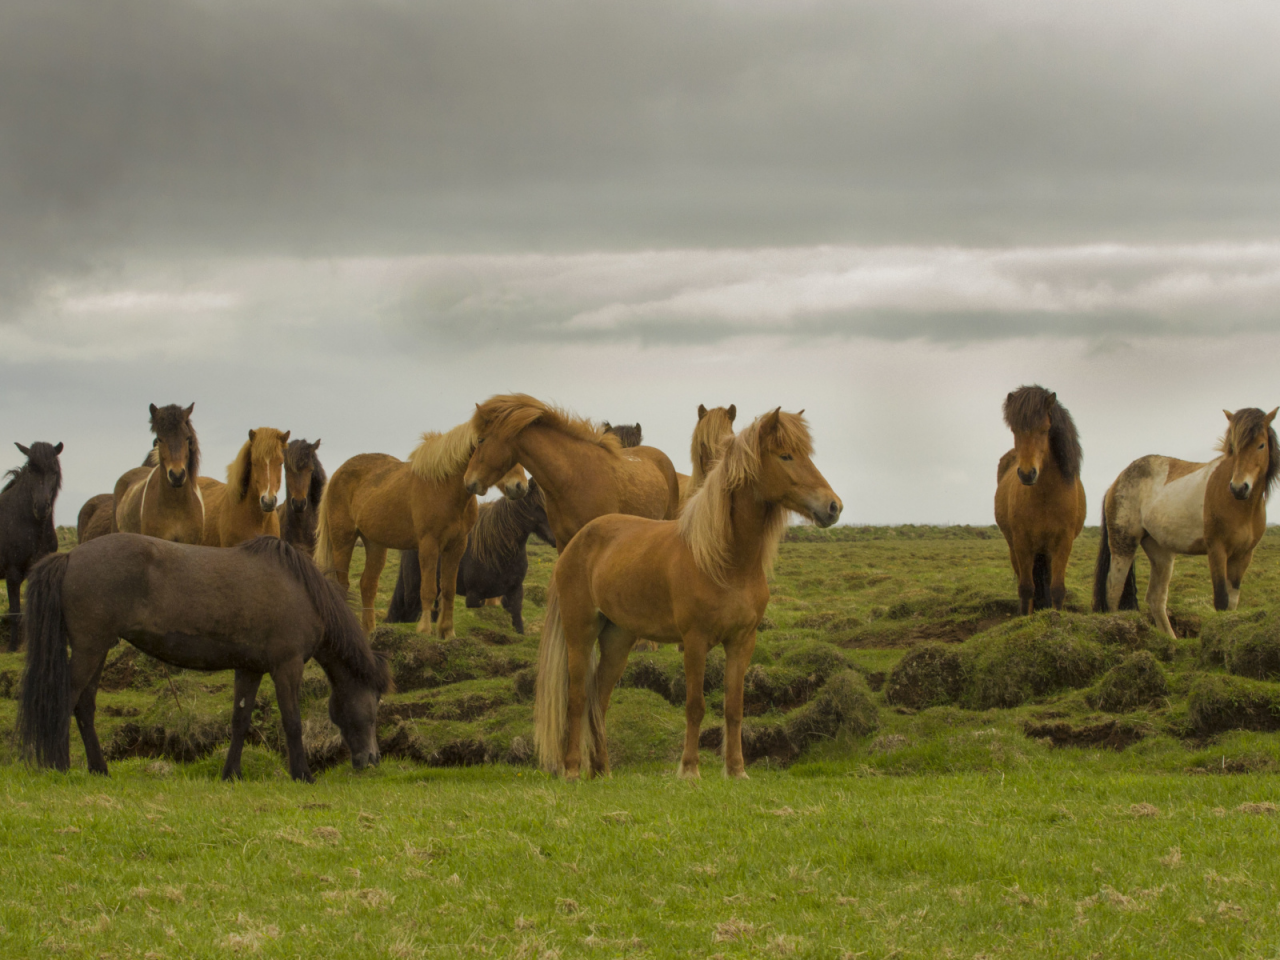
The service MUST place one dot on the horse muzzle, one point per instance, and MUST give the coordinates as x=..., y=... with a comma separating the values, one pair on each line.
x=177, y=478
x=298, y=506
x=268, y=504
x=1030, y=477
x=370, y=759
x=1242, y=491
x=476, y=488
x=827, y=514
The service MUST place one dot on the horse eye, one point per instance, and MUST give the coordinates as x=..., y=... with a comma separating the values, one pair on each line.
x=479, y=441
x=785, y=456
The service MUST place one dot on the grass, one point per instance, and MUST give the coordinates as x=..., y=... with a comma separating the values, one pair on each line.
x=1047, y=827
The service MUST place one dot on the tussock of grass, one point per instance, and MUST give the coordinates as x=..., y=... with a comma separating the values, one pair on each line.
x=1217, y=702
x=1137, y=681
x=926, y=676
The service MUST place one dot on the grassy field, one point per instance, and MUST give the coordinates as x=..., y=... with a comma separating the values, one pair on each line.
x=932, y=776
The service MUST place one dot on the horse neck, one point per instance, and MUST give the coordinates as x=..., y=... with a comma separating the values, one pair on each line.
x=558, y=462
x=748, y=533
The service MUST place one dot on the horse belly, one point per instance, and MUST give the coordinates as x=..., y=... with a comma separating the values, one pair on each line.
x=194, y=651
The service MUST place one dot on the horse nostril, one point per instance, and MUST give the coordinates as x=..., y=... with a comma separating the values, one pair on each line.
x=268, y=504
x=473, y=487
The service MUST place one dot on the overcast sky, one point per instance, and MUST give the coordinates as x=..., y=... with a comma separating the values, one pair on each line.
x=356, y=219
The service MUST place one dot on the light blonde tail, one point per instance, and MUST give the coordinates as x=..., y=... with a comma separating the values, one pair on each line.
x=324, y=543
x=551, y=699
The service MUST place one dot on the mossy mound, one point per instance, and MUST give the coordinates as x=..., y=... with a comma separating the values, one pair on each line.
x=421, y=662
x=1029, y=658
x=1137, y=681
x=926, y=676
x=1217, y=702
x=1221, y=633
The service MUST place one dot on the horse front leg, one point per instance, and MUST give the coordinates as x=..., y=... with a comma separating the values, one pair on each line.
x=695, y=704
x=428, y=582
x=14, y=618
x=737, y=657
x=246, y=693
x=1024, y=564
x=513, y=603
x=288, y=681
x=450, y=558
x=375, y=558
x=1058, y=561
x=1236, y=567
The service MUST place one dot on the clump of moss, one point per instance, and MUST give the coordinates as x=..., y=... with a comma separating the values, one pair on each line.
x=1217, y=702
x=1220, y=633
x=1137, y=681
x=1031, y=657
x=926, y=676
x=842, y=705
x=421, y=662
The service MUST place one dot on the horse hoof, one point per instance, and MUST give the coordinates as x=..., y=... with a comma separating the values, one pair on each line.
x=688, y=773
x=735, y=774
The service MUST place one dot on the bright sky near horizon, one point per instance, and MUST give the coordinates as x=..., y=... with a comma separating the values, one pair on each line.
x=354, y=220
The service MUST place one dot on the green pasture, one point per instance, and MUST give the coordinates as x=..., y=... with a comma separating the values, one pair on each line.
x=932, y=776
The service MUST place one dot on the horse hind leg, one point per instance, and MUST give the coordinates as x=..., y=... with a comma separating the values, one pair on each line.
x=375, y=558
x=85, y=676
x=288, y=682
x=1158, y=589
x=1236, y=567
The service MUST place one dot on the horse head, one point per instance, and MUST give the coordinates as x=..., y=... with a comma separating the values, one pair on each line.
x=177, y=450
x=1027, y=411
x=353, y=708
x=44, y=474
x=785, y=473
x=1251, y=442
x=257, y=467
x=299, y=468
x=491, y=461
x=514, y=483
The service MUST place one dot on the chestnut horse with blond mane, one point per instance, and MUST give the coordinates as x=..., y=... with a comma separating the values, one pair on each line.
x=245, y=506
x=420, y=505
x=1040, y=504
x=1170, y=506
x=711, y=436
x=700, y=580
x=583, y=471
x=162, y=498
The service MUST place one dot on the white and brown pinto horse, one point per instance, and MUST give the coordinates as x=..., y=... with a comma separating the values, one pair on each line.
x=1170, y=506
x=699, y=580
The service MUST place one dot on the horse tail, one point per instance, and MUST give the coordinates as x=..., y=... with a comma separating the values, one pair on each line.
x=1102, y=572
x=406, y=602
x=1042, y=599
x=551, y=699
x=324, y=542
x=44, y=721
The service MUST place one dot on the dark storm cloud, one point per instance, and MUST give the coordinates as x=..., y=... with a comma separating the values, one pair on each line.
x=326, y=128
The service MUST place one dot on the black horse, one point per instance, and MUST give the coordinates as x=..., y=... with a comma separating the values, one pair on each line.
x=260, y=607
x=304, y=481
x=26, y=522
x=493, y=565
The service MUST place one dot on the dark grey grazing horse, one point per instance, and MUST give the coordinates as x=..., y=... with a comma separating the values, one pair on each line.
x=259, y=607
x=26, y=522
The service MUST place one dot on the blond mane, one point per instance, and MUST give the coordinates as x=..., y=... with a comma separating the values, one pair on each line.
x=441, y=455
x=267, y=442
x=506, y=415
x=713, y=432
x=706, y=523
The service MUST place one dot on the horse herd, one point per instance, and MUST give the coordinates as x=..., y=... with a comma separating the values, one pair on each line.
x=644, y=553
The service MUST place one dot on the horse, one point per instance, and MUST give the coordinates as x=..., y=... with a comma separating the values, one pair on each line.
x=162, y=497
x=262, y=607
x=584, y=472
x=1040, y=504
x=700, y=580
x=26, y=522
x=493, y=565
x=96, y=517
x=390, y=504
x=304, y=480
x=1171, y=506
x=245, y=506
x=629, y=435
x=711, y=435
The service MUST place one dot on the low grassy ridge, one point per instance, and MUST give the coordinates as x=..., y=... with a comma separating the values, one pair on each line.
x=932, y=776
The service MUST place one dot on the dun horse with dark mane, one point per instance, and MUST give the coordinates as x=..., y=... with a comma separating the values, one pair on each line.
x=700, y=581
x=1040, y=504
x=1170, y=506
x=162, y=497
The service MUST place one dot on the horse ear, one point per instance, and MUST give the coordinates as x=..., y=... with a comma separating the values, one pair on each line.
x=1053, y=399
x=187, y=412
x=316, y=445
x=801, y=413
x=57, y=447
x=252, y=434
x=154, y=410
x=638, y=427
x=607, y=426
x=769, y=425
x=1229, y=415
x=702, y=411
x=1272, y=415
x=25, y=451
x=284, y=437
x=733, y=411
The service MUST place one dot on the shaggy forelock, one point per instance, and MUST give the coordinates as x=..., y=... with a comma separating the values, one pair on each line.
x=1247, y=424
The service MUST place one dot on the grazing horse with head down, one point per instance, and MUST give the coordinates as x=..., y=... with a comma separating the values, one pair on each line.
x=1170, y=506
x=26, y=522
x=1040, y=504
x=162, y=497
x=700, y=580
x=262, y=607
x=584, y=472
x=304, y=480
x=245, y=506
x=420, y=505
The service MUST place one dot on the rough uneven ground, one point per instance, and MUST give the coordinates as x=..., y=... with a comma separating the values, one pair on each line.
x=1055, y=787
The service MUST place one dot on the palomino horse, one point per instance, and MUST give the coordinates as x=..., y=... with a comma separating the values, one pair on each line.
x=700, y=581
x=420, y=505
x=260, y=608
x=1171, y=506
x=584, y=472
x=162, y=497
x=245, y=506
x=1040, y=505
x=26, y=522
x=711, y=436
x=304, y=480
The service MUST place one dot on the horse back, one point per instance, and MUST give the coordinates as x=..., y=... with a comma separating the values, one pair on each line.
x=96, y=517
x=652, y=487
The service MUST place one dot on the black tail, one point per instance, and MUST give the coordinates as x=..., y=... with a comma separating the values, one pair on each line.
x=45, y=720
x=1041, y=599
x=1102, y=570
x=406, y=602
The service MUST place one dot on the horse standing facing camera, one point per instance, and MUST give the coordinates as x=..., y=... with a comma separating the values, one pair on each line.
x=1040, y=503
x=26, y=522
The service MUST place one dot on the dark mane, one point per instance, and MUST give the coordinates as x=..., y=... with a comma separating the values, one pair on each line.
x=41, y=459
x=171, y=419
x=628, y=434
x=1246, y=425
x=343, y=636
x=1024, y=410
x=500, y=529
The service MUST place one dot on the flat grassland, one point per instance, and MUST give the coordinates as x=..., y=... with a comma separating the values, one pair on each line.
x=932, y=777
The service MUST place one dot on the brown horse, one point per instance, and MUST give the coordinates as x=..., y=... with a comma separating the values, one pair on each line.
x=711, y=436
x=162, y=497
x=420, y=505
x=1171, y=506
x=584, y=472
x=1040, y=505
x=700, y=580
x=304, y=480
x=96, y=517
x=245, y=506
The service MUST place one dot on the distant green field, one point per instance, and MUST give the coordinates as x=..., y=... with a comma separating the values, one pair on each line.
x=932, y=776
